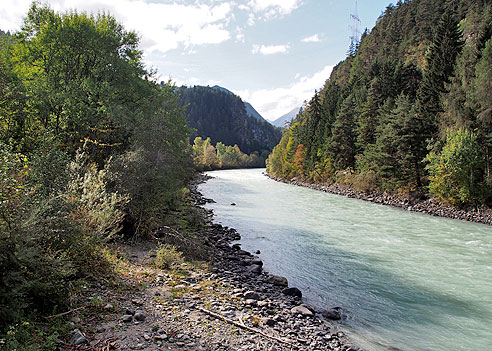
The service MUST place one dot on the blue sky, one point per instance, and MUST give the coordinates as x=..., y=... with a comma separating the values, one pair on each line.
x=273, y=53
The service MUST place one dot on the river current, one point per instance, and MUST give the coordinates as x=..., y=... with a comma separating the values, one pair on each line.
x=406, y=281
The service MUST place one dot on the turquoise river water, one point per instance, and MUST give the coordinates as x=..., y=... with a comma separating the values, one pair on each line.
x=407, y=281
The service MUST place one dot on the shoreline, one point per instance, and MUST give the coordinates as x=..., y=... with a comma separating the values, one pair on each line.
x=433, y=207
x=222, y=301
x=278, y=305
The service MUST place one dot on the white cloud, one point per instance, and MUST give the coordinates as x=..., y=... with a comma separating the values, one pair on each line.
x=273, y=103
x=12, y=13
x=274, y=8
x=270, y=49
x=312, y=39
x=162, y=27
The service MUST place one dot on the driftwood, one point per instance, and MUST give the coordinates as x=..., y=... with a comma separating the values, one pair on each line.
x=64, y=313
x=243, y=326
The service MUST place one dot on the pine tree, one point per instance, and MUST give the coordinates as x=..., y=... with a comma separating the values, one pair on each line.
x=441, y=61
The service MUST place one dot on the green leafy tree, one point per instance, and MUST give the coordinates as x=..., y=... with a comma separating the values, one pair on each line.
x=454, y=171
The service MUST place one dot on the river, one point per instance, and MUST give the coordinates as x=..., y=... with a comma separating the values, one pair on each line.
x=407, y=281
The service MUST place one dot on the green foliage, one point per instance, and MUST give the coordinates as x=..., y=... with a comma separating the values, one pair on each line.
x=48, y=239
x=168, y=257
x=423, y=69
x=453, y=172
x=66, y=81
x=208, y=157
x=221, y=116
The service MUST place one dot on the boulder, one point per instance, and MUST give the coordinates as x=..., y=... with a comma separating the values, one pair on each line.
x=292, y=291
x=251, y=295
x=302, y=310
x=278, y=280
x=333, y=314
x=255, y=269
x=140, y=316
x=78, y=338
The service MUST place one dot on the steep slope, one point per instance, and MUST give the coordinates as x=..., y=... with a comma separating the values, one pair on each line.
x=222, y=116
x=289, y=116
x=250, y=110
x=408, y=110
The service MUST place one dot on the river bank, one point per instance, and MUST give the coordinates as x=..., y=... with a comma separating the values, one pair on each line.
x=227, y=302
x=420, y=204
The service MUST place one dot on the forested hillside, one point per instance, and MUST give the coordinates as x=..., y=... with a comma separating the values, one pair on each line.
x=89, y=145
x=410, y=109
x=222, y=116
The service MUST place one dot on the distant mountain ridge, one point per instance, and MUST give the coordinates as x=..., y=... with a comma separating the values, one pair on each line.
x=221, y=115
x=289, y=116
x=250, y=110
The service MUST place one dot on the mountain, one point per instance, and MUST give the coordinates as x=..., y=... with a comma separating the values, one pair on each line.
x=250, y=110
x=219, y=114
x=408, y=110
x=289, y=116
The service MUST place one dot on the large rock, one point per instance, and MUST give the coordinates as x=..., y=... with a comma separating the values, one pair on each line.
x=302, y=310
x=292, y=292
x=251, y=295
x=78, y=338
x=255, y=269
x=333, y=313
x=278, y=280
x=257, y=261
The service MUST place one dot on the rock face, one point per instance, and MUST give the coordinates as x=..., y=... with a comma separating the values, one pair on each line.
x=292, y=292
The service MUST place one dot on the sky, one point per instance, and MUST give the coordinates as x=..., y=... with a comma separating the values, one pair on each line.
x=272, y=53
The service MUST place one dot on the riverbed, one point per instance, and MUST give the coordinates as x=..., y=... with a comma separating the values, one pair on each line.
x=405, y=280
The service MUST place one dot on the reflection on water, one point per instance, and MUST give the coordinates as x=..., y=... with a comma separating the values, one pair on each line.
x=407, y=280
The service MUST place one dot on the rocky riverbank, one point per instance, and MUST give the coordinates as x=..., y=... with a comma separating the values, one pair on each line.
x=416, y=203
x=227, y=303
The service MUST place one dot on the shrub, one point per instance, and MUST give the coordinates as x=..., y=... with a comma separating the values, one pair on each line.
x=168, y=257
x=48, y=240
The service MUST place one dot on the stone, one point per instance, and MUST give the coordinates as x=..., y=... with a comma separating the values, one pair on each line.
x=109, y=307
x=263, y=303
x=258, y=252
x=130, y=311
x=268, y=321
x=257, y=261
x=292, y=292
x=332, y=314
x=278, y=280
x=251, y=295
x=250, y=302
x=101, y=330
x=255, y=269
x=127, y=318
x=78, y=338
x=302, y=310
x=233, y=204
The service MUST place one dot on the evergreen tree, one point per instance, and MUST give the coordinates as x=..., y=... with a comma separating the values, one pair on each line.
x=441, y=61
x=343, y=139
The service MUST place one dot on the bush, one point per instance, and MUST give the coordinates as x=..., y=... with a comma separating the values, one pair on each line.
x=48, y=240
x=168, y=257
x=453, y=173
